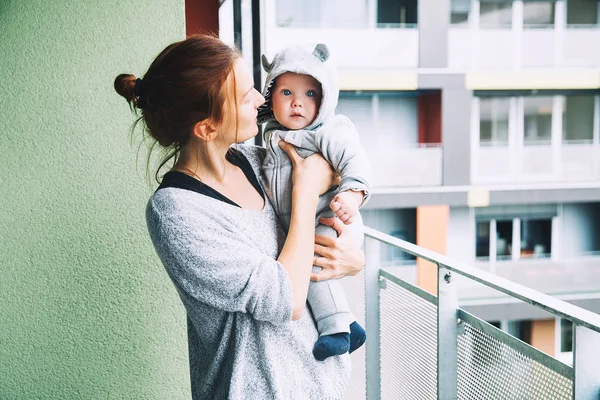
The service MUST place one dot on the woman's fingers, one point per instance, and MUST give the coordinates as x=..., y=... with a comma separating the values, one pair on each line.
x=291, y=151
x=334, y=223
x=322, y=276
x=323, y=251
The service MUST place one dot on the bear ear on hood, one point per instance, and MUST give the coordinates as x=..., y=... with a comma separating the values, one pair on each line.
x=267, y=66
x=321, y=52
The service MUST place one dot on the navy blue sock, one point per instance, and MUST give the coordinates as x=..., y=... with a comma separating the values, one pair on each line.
x=358, y=336
x=331, y=345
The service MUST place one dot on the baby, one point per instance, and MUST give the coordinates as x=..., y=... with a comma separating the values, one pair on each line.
x=301, y=92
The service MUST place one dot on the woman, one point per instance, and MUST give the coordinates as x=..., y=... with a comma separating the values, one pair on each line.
x=243, y=286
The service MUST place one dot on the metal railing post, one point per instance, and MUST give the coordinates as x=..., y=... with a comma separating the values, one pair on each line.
x=586, y=353
x=373, y=352
x=447, y=335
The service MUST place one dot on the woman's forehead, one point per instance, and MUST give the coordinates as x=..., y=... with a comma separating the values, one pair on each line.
x=243, y=77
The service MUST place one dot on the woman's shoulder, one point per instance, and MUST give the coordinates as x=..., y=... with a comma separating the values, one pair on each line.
x=254, y=154
x=173, y=202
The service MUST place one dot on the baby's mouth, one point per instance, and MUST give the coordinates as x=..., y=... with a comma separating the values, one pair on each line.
x=297, y=115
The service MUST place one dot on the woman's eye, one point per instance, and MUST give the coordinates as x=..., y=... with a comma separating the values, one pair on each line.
x=286, y=92
x=311, y=93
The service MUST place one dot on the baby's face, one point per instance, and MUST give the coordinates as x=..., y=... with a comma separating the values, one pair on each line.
x=296, y=100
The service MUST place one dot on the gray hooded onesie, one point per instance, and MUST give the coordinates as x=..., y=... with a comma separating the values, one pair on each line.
x=336, y=138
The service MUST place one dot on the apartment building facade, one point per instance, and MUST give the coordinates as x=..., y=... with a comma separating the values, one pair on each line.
x=482, y=122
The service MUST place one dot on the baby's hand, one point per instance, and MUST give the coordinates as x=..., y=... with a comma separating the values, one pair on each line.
x=345, y=205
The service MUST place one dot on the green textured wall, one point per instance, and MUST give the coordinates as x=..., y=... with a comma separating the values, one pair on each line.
x=86, y=310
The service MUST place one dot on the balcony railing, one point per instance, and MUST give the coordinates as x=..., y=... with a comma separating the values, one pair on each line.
x=421, y=346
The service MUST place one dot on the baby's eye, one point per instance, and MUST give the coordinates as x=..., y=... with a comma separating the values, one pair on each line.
x=286, y=92
x=311, y=93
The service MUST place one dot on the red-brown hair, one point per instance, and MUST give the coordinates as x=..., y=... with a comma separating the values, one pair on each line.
x=185, y=84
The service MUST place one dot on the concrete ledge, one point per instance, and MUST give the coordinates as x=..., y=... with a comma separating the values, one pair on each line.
x=379, y=81
x=534, y=79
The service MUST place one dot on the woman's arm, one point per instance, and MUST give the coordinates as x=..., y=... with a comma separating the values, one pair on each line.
x=339, y=257
x=312, y=176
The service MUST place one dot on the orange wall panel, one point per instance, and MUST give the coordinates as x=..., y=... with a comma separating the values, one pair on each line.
x=542, y=335
x=432, y=233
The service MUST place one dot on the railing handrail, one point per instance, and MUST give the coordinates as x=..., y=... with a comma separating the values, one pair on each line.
x=548, y=303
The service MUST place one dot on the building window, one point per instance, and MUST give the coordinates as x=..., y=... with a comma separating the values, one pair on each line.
x=459, y=12
x=538, y=119
x=493, y=120
x=396, y=13
x=538, y=14
x=521, y=329
x=563, y=341
x=502, y=232
x=504, y=236
x=536, y=238
x=398, y=256
x=582, y=13
x=482, y=240
x=566, y=336
x=578, y=119
x=495, y=14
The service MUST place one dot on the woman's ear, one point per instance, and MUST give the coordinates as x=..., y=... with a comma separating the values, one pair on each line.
x=205, y=130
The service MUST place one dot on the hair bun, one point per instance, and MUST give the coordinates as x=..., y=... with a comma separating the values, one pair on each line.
x=125, y=86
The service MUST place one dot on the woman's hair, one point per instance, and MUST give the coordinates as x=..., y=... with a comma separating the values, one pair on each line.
x=185, y=84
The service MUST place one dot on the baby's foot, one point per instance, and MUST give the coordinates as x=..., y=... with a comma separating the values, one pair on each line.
x=331, y=345
x=358, y=336
x=345, y=205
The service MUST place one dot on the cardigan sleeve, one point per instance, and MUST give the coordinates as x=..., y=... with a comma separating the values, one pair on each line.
x=208, y=263
x=338, y=141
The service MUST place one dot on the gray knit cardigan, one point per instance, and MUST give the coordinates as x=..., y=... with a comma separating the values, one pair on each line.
x=242, y=341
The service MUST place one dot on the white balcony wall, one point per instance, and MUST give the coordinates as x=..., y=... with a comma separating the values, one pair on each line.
x=416, y=166
x=493, y=49
x=493, y=162
x=476, y=49
x=534, y=163
x=581, y=48
x=459, y=48
x=354, y=49
x=580, y=162
x=537, y=48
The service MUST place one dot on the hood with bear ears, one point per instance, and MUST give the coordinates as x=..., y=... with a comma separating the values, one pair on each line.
x=312, y=61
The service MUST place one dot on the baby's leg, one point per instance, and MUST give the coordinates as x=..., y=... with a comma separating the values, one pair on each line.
x=338, y=330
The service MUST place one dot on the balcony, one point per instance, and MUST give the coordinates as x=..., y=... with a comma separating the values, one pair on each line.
x=568, y=162
x=470, y=49
x=424, y=346
x=416, y=165
x=354, y=32
x=355, y=49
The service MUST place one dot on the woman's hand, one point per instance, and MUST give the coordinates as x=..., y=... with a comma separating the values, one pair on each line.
x=339, y=257
x=312, y=174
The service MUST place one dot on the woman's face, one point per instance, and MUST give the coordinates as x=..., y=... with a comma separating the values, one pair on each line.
x=248, y=101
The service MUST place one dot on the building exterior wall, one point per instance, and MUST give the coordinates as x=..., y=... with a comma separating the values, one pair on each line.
x=432, y=234
x=542, y=335
x=86, y=309
x=434, y=18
